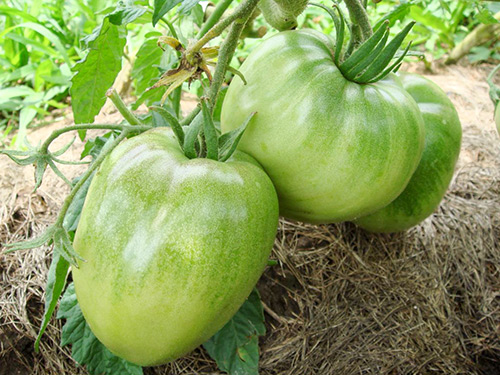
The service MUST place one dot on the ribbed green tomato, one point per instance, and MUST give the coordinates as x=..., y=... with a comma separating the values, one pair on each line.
x=335, y=150
x=430, y=181
x=173, y=246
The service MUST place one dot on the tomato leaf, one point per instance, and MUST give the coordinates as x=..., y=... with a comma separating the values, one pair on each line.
x=161, y=7
x=124, y=14
x=187, y=5
x=94, y=146
x=398, y=13
x=96, y=73
x=145, y=70
x=56, y=280
x=86, y=348
x=235, y=347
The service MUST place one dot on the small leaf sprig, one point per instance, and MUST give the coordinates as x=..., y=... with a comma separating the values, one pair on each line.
x=57, y=234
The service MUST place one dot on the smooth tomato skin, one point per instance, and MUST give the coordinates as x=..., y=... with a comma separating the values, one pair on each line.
x=428, y=185
x=335, y=150
x=172, y=246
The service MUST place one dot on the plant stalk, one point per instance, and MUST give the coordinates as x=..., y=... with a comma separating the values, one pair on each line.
x=226, y=52
x=122, y=107
x=359, y=19
x=123, y=128
x=240, y=14
x=214, y=17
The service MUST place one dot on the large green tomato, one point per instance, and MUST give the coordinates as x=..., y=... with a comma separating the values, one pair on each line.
x=335, y=150
x=172, y=246
x=430, y=181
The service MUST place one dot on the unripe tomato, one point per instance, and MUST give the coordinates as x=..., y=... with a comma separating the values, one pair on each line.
x=430, y=181
x=172, y=246
x=335, y=150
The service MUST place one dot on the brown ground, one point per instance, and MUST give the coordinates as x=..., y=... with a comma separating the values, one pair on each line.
x=341, y=301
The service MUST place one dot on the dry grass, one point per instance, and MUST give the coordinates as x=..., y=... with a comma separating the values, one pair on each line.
x=341, y=301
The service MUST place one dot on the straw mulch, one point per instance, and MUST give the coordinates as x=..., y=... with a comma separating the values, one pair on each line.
x=340, y=301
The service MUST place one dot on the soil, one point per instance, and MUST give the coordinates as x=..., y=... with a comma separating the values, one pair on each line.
x=340, y=300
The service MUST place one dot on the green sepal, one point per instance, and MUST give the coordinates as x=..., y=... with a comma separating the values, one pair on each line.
x=40, y=158
x=236, y=72
x=340, y=32
x=210, y=132
x=369, y=59
x=394, y=67
x=339, y=29
x=191, y=136
x=44, y=238
x=229, y=141
x=172, y=121
x=63, y=245
x=383, y=59
x=364, y=52
x=65, y=148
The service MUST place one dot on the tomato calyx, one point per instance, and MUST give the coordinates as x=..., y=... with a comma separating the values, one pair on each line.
x=189, y=69
x=371, y=60
x=202, y=139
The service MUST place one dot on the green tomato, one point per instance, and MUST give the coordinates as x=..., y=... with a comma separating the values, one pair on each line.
x=430, y=181
x=172, y=246
x=335, y=150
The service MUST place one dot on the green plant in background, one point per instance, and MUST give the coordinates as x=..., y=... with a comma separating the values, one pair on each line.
x=39, y=44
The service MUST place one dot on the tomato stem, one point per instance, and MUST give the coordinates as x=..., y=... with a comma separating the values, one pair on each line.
x=214, y=17
x=240, y=15
x=123, y=128
x=122, y=107
x=226, y=52
x=361, y=29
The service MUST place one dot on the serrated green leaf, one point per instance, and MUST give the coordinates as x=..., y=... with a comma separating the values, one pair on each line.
x=94, y=146
x=398, y=13
x=161, y=7
x=123, y=15
x=56, y=279
x=145, y=70
x=97, y=72
x=86, y=348
x=235, y=347
x=187, y=5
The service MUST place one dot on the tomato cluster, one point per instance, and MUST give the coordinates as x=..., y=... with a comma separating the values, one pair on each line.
x=193, y=235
